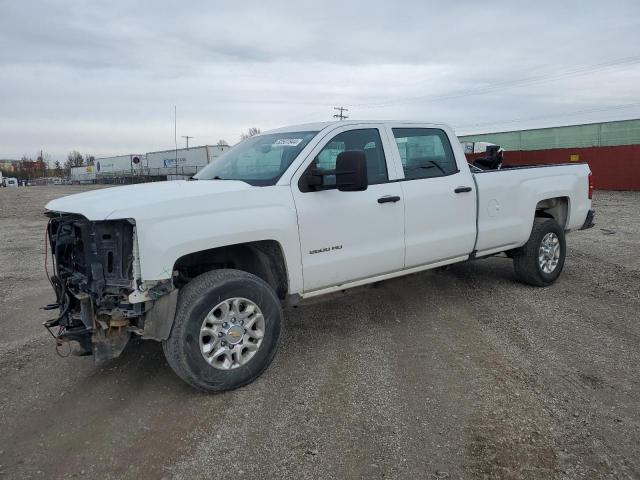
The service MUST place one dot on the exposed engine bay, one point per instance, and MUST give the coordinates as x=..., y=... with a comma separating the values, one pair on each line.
x=93, y=276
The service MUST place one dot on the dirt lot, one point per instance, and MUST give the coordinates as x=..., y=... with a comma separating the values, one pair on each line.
x=456, y=374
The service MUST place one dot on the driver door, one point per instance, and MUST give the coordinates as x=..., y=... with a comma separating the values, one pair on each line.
x=349, y=236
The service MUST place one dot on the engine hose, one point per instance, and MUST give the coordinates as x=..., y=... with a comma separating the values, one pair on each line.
x=65, y=311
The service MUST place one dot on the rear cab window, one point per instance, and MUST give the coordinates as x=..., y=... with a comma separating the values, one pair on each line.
x=425, y=153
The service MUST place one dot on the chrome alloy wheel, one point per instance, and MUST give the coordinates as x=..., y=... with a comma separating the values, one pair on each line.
x=549, y=252
x=231, y=333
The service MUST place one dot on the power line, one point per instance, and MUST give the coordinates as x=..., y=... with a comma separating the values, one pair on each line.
x=577, y=70
x=341, y=115
x=497, y=86
x=544, y=117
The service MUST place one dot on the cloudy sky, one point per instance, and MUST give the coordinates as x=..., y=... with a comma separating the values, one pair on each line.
x=103, y=77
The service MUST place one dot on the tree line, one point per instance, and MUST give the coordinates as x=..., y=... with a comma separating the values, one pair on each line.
x=28, y=167
x=40, y=166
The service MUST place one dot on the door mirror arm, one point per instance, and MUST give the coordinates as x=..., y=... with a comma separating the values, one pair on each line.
x=314, y=179
x=350, y=174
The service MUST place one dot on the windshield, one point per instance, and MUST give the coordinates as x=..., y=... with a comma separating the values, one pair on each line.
x=259, y=160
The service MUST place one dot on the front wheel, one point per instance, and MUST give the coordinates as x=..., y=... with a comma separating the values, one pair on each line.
x=540, y=261
x=226, y=330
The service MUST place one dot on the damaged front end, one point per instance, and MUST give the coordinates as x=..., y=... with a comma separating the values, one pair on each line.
x=95, y=272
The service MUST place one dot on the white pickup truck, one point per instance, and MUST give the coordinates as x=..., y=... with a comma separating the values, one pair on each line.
x=206, y=266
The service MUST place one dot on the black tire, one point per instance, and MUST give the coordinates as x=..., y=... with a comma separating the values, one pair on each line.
x=197, y=298
x=525, y=259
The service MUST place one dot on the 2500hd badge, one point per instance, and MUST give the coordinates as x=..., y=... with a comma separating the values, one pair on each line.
x=328, y=249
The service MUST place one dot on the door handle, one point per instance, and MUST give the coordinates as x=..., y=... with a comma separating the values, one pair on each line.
x=463, y=189
x=388, y=199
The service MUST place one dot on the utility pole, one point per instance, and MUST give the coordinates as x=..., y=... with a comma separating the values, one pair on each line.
x=341, y=115
x=187, y=137
x=175, y=134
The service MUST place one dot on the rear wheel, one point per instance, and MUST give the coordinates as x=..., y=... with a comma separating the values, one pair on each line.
x=226, y=330
x=540, y=261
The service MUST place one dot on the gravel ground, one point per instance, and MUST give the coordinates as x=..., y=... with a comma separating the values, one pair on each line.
x=460, y=373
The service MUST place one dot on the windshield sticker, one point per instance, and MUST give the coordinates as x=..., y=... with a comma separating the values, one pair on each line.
x=287, y=142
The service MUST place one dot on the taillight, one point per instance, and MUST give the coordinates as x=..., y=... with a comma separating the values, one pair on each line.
x=590, y=185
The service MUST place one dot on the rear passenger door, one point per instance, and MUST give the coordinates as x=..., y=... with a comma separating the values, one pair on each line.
x=439, y=196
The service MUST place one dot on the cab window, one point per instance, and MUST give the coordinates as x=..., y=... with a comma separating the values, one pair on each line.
x=425, y=153
x=367, y=140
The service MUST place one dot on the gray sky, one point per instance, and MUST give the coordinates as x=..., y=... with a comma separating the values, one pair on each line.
x=103, y=77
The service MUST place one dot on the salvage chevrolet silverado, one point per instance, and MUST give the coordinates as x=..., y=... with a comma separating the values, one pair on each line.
x=206, y=266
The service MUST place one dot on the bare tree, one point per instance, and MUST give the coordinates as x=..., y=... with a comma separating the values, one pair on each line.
x=74, y=159
x=58, y=168
x=224, y=143
x=250, y=133
x=89, y=159
x=44, y=163
x=26, y=167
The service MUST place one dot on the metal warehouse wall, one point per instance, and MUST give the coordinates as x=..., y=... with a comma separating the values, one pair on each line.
x=609, y=134
x=611, y=149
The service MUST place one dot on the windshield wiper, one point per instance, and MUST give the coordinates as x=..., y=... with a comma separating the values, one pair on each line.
x=218, y=177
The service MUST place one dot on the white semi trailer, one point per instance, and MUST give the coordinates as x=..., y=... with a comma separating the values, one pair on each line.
x=184, y=162
x=84, y=174
x=120, y=164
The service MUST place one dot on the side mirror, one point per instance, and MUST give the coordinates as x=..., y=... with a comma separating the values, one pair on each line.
x=351, y=171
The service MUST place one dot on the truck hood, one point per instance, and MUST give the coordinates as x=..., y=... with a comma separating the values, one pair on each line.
x=129, y=201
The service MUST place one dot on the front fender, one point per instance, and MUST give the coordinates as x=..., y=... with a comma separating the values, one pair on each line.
x=266, y=213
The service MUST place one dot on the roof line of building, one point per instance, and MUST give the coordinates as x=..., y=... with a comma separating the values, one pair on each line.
x=549, y=128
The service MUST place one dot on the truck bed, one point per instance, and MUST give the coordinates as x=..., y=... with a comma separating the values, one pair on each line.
x=508, y=199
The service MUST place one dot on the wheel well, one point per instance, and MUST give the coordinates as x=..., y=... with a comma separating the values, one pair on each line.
x=264, y=259
x=556, y=208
